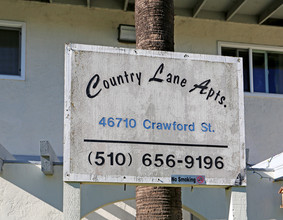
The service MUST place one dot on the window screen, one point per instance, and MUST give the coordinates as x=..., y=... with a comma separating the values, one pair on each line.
x=267, y=69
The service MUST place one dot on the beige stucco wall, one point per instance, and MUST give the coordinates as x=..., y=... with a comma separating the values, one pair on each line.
x=32, y=110
x=27, y=194
x=201, y=36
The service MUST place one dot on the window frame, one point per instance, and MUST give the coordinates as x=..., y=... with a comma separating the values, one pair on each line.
x=22, y=27
x=252, y=48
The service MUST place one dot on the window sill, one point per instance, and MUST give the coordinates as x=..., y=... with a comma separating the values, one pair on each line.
x=3, y=77
x=263, y=95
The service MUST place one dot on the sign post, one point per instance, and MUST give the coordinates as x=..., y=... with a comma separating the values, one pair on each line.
x=152, y=117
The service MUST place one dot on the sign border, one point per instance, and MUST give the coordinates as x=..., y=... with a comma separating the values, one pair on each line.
x=87, y=178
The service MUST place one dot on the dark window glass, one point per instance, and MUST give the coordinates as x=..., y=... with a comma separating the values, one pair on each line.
x=245, y=55
x=246, y=72
x=275, y=73
x=259, y=72
x=9, y=51
x=230, y=52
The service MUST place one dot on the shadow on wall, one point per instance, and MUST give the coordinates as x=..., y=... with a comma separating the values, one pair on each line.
x=126, y=210
x=31, y=179
x=49, y=189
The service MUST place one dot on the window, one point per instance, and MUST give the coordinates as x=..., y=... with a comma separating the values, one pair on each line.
x=262, y=66
x=12, y=50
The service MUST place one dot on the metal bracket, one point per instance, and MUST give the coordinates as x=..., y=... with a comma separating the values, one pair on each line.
x=1, y=165
x=4, y=155
x=47, y=157
x=239, y=179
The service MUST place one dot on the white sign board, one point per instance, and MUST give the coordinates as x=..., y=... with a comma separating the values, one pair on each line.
x=135, y=116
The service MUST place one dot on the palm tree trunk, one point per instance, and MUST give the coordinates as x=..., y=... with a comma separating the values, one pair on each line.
x=162, y=203
x=155, y=31
x=155, y=24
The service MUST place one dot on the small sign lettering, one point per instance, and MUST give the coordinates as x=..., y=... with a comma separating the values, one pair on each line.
x=188, y=179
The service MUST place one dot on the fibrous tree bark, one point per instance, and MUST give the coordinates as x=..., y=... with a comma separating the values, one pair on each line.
x=154, y=24
x=155, y=31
